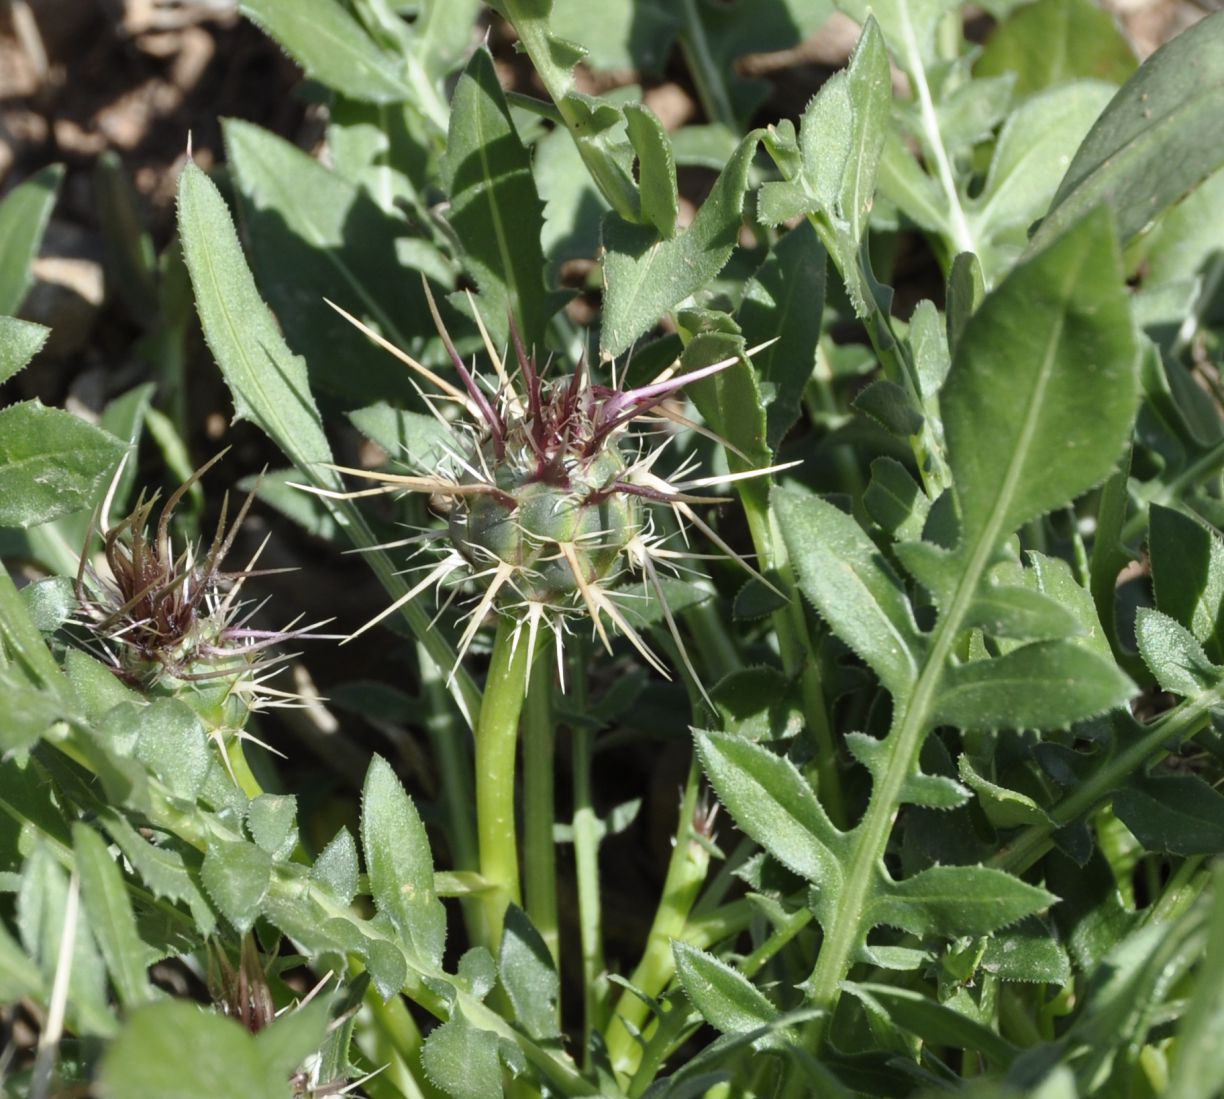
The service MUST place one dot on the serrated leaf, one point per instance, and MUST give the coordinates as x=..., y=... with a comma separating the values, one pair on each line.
x=890, y=406
x=411, y=437
x=172, y=743
x=1159, y=138
x=725, y=998
x=645, y=276
x=929, y=791
x=1004, y=808
x=20, y=341
x=529, y=976
x=1030, y=951
x=237, y=875
x=824, y=142
x=336, y=866
x=869, y=84
x=1023, y=613
x=23, y=220
x=272, y=822
x=332, y=47
x=773, y=803
x=267, y=381
x=1045, y=685
x=758, y=704
x=51, y=463
x=1041, y=395
x=1173, y=655
x=400, y=864
x=950, y=901
x=111, y=918
x=495, y=209
x=847, y=579
x=1179, y=814
x=785, y=299
x=462, y=1060
x=894, y=500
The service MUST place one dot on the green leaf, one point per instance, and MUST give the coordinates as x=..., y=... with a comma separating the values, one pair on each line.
x=20, y=341
x=1044, y=685
x=656, y=169
x=267, y=381
x=400, y=865
x=237, y=875
x=645, y=276
x=495, y=209
x=825, y=135
x=1160, y=137
x=178, y=1050
x=1004, y=808
x=1030, y=951
x=726, y=998
x=1188, y=575
x=847, y=579
x=929, y=791
x=895, y=500
x=730, y=401
x=1023, y=613
x=966, y=292
x=621, y=35
x=1041, y=395
x=314, y=235
x=332, y=47
x=51, y=463
x=272, y=822
x=936, y=1023
x=111, y=918
x=950, y=901
x=1173, y=655
x=1198, y=1064
x=1178, y=814
x=411, y=437
x=869, y=84
x=294, y=1036
x=1054, y=42
x=758, y=704
x=462, y=1060
x=1034, y=144
x=172, y=743
x=161, y=868
x=890, y=406
x=529, y=976
x=336, y=866
x=23, y=220
x=785, y=299
x=773, y=803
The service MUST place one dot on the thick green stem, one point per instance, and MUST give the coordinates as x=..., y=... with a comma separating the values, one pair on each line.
x=685, y=874
x=539, y=802
x=241, y=770
x=496, y=744
x=586, y=833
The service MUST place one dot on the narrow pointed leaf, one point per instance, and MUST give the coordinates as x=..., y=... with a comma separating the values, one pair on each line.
x=23, y=219
x=726, y=999
x=950, y=901
x=400, y=864
x=773, y=803
x=20, y=341
x=847, y=579
x=1044, y=685
x=529, y=976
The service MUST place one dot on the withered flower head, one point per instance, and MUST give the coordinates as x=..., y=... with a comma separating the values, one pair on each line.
x=549, y=494
x=171, y=621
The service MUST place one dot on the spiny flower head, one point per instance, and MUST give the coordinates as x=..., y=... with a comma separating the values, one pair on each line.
x=169, y=621
x=549, y=492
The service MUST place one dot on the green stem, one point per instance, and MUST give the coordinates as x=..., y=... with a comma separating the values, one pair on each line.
x=685, y=874
x=539, y=802
x=1170, y=491
x=586, y=832
x=707, y=74
x=448, y=738
x=1191, y=717
x=240, y=769
x=496, y=742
